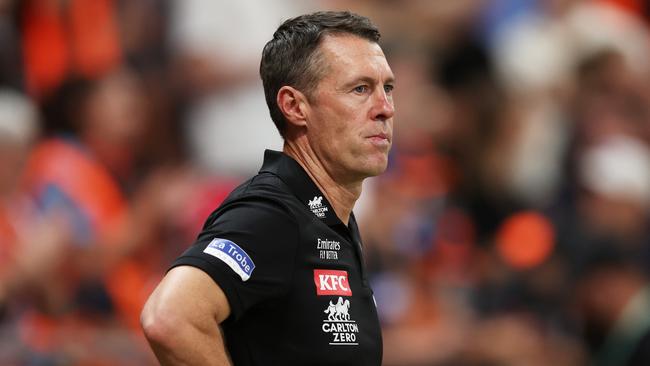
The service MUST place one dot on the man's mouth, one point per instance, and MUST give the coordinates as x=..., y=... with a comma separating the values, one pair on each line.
x=380, y=138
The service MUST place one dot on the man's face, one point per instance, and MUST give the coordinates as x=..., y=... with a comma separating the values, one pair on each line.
x=350, y=115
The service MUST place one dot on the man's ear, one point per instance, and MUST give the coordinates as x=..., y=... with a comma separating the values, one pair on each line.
x=292, y=103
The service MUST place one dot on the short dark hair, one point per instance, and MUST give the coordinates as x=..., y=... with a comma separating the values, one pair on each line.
x=291, y=57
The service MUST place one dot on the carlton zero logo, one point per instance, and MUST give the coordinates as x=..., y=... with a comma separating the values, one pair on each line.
x=342, y=330
x=316, y=206
x=331, y=282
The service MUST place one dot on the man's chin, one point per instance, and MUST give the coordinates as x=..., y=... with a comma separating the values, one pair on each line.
x=376, y=168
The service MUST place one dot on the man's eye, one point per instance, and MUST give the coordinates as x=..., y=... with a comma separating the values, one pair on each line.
x=388, y=88
x=360, y=89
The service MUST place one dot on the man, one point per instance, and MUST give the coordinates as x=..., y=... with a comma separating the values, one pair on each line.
x=279, y=264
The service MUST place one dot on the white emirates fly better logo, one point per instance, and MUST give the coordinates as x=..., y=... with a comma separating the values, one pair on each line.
x=338, y=325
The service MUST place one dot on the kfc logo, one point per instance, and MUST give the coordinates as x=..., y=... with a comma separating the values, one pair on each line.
x=331, y=282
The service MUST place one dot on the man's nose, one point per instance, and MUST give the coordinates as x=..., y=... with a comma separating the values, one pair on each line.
x=383, y=107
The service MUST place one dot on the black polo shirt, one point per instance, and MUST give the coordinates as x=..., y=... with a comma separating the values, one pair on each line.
x=293, y=273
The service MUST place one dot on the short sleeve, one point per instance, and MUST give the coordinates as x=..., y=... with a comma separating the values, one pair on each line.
x=248, y=248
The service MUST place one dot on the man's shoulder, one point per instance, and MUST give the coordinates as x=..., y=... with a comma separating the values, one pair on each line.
x=264, y=185
x=264, y=195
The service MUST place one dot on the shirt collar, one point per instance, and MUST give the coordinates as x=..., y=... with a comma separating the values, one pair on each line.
x=293, y=175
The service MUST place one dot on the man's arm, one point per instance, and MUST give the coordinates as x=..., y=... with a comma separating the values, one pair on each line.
x=182, y=316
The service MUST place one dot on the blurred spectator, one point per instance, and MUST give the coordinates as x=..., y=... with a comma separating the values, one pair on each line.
x=10, y=61
x=614, y=306
x=217, y=45
x=30, y=242
x=616, y=176
x=518, y=339
x=18, y=130
x=77, y=177
x=63, y=38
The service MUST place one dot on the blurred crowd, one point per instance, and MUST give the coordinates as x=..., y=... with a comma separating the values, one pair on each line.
x=511, y=228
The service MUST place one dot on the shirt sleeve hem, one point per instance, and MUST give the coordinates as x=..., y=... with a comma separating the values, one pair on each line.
x=220, y=278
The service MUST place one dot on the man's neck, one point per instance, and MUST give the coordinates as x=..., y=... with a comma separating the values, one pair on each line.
x=341, y=195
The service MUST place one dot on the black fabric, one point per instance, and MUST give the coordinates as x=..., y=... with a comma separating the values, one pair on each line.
x=307, y=301
x=641, y=354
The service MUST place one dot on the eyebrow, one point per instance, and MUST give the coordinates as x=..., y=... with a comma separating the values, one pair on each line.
x=368, y=80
